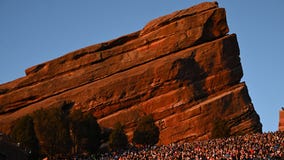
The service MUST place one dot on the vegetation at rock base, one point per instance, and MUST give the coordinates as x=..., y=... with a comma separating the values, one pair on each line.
x=220, y=129
x=52, y=129
x=146, y=133
x=23, y=133
x=56, y=132
x=117, y=138
x=85, y=132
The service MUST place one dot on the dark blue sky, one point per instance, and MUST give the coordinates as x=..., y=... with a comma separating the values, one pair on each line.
x=34, y=31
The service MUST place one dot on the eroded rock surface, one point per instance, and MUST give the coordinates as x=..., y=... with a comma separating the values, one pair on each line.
x=184, y=68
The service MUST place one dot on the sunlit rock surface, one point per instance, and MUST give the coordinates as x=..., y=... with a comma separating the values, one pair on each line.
x=183, y=68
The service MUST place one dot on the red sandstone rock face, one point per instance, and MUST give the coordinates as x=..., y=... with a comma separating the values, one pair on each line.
x=183, y=68
x=281, y=120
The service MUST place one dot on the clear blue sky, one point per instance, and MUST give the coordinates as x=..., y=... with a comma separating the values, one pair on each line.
x=34, y=31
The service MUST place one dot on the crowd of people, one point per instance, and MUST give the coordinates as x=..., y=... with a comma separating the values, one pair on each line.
x=248, y=147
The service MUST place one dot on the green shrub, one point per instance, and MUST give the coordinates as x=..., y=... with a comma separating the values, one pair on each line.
x=86, y=132
x=117, y=138
x=52, y=129
x=146, y=133
x=23, y=133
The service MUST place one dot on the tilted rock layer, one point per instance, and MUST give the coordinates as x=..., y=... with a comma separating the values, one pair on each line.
x=183, y=68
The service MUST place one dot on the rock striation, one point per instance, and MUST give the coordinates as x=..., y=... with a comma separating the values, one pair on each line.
x=183, y=68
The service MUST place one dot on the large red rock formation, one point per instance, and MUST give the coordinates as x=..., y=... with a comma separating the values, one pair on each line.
x=183, y=68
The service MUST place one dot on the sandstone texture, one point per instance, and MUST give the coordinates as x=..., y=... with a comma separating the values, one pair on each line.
x=281, y=121
x=183, y=68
